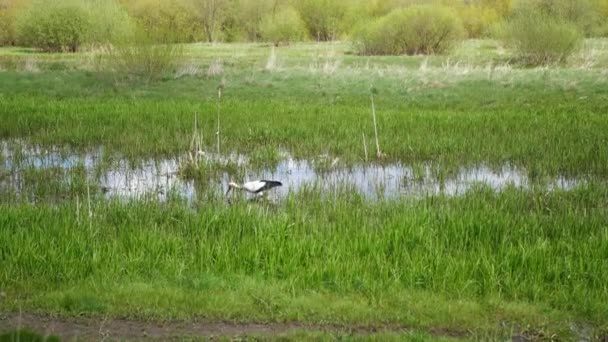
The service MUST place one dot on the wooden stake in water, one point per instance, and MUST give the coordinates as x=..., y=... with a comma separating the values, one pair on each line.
x=378, y=154
x=219, y=100
x=194, y=148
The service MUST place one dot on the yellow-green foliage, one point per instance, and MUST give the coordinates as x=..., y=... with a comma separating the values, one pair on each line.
x=168, y=21
x=542, y=38
x=66, y=25
x=143, y=55
x=8, y=17
x=582, y=13
x=211, y=16
x=602, y=6
x=284, y=26
x=501, y=7
x=421, y=29
x=55, y=25
x=323, y=18
x=249, y=15
x=109, y=20
x=585, y=14
x=477, y=20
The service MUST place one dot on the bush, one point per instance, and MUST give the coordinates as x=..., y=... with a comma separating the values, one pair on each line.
x=323, y=18
x=167, y=21
x=284, y=26
x=8, y=18
x=249, y=15
x=110, y=22
x=66, y=25
x=582, y=13
x=143, y=55
x=54, y=25
x=422, y=29
x=477, y=20
x=540, y=38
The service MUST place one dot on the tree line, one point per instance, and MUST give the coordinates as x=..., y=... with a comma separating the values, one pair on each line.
x=375, y=26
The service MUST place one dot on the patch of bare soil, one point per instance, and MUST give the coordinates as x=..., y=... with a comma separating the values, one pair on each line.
x=94, y=329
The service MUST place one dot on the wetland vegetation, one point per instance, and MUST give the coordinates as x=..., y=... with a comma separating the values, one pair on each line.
x=484, y=217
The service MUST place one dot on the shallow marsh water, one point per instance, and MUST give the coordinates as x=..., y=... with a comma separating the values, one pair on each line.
x=119, y=178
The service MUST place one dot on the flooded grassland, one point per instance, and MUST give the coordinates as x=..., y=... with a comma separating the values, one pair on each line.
x=479, y=209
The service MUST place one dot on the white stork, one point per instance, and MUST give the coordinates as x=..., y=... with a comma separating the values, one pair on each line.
x=255, y=187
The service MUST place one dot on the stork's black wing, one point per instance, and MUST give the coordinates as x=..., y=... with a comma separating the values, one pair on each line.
x=269, y=184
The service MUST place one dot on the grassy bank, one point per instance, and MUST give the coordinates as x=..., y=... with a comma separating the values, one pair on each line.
x=461, y=263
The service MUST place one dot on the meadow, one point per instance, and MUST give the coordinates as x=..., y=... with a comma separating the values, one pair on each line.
x=485, y=264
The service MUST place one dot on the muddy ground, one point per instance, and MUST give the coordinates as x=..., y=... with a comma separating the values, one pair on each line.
x=94, y=329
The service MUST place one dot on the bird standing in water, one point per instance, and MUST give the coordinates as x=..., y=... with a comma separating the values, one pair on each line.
x=257, y=187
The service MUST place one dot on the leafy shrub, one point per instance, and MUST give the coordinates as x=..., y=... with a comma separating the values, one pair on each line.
x=477, y=20
x=167, y=21
x=422, y=29
x=540, y=38
x=8, y=18
x=284, y=26
x=144, y=55
x=54, y=25
x=67, y=25
x=323, y=18
x=110, y=22
x=582, y=13
x=249, y=17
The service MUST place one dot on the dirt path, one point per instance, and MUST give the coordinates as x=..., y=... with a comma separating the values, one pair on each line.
x=103, y=329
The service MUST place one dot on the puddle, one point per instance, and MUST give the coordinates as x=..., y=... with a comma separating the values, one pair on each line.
x=159, y=177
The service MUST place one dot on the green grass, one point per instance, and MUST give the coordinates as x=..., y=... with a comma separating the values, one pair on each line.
x=488, y=263
x=532, y=123
x=460, y=263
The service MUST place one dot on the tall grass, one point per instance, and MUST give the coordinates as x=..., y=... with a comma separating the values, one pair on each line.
x=547, y=250
x=536, y=121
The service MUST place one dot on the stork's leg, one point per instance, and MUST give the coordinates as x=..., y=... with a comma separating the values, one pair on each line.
x=260, y=195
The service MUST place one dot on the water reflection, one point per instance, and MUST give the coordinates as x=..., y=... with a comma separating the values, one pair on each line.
x=159, y=177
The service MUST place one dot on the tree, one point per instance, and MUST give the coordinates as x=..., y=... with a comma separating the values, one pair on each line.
x=211, y=14
x=249, y=15
x=8, y=18
x=55, y=25
x=284, y=26
x=166, y=21
x=323, y=18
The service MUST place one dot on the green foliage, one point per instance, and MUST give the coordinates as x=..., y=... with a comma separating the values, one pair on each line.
x=581, y=13
x=144, y=55
x=166, y=21
x=501, y=7
x=9, y=10
x=284, y=26
x=541, y=38
x=420, y=29
x=55, y=25
x=210, y=16
x=477, y=20
x=322, y=17
x=110, y=22
x=250, y=14
x=67, y=25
